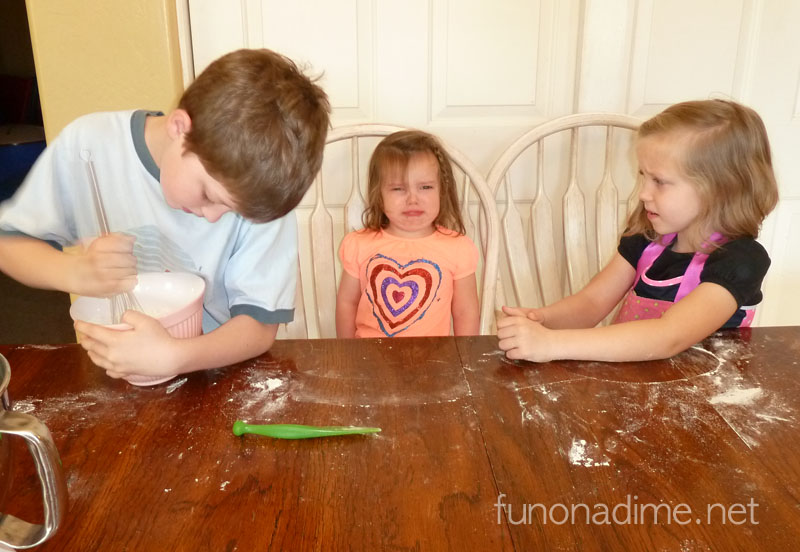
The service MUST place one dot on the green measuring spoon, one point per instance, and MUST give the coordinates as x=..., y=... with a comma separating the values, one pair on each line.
x=294, y=431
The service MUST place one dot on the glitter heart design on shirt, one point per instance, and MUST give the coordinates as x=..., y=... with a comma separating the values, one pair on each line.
x=401, y=293
x=397, y=295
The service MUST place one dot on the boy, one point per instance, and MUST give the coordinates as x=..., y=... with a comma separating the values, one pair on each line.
x=206, y=189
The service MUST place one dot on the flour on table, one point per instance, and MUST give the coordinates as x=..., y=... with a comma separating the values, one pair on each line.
x=81, y=409
x=748, y=409
x=360, y=393
x=26, y=406
x=737, y=396
x=174, y=385
x=270, y=384
x=728, y=393
x=586, y=454
x=39, y=347
x=264, y=394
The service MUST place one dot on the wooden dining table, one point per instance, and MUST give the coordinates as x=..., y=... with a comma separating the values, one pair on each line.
x=477, y=452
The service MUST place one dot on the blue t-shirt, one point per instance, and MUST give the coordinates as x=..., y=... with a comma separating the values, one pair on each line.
x=248, y=268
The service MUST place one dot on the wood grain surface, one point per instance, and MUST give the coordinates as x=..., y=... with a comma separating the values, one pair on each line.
x=463, y=429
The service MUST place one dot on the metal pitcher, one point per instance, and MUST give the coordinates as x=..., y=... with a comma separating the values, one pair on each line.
x=15, y=532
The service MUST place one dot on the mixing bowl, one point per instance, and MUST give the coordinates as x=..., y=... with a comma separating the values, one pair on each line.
x=173, y=298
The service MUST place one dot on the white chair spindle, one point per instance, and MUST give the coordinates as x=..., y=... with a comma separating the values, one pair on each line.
x=574, y=223
x=607, y=210
x=323, y=256
x=544, y=249
x=466, y=216
x=355, y=204
x=523, y=280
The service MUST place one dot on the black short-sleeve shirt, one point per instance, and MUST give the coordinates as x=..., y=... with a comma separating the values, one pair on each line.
x=738, y=265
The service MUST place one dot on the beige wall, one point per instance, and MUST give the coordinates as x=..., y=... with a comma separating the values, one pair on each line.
x=103, y=55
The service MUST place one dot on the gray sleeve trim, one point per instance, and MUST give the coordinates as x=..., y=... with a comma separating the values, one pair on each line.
x=14, y=234
x=280, y=316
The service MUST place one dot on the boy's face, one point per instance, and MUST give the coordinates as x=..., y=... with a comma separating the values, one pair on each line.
x=187, y=185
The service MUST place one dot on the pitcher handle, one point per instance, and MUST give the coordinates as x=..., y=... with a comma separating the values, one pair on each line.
x=15, y=532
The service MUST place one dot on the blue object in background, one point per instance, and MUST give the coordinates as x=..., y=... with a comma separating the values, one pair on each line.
x=15, y=162
x=21, y=130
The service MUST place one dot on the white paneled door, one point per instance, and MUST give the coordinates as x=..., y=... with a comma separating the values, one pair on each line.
x=477, y=73
x=481, y=73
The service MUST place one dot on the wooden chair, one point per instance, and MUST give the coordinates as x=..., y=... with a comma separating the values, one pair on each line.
x=550, y=253
x=333, y=207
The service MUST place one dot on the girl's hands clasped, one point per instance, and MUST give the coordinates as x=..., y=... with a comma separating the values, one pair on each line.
x=522, y=336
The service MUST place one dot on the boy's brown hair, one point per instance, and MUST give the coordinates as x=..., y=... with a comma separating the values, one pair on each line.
x=725, y=153
x=259, y=127
x=392, y=154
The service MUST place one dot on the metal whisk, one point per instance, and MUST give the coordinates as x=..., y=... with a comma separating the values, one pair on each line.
x=126, y=300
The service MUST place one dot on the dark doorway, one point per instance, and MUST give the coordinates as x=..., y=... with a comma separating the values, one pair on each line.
x=26, y=315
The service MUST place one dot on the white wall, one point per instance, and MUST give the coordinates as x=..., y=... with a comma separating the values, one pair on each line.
x=481, y=73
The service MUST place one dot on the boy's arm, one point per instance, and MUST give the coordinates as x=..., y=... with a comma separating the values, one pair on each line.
x=148, y=350
x=687, y=322
x=34, y=263
x=347, y=305
x=465, y=309
x=106, y=267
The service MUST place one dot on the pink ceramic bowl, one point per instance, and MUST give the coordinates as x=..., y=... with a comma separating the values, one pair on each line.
x=174, y=298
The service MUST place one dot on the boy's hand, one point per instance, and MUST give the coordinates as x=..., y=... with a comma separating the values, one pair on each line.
x=107, y=267
x=144, y=350
x=522, y=338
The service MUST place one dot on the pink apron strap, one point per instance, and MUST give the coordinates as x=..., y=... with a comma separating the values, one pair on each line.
x=650, y=254
x=691, y=278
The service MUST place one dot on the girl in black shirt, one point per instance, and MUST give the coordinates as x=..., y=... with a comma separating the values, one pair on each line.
x=688, y=263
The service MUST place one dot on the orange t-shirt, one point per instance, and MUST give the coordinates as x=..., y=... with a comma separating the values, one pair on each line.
x=407, y=284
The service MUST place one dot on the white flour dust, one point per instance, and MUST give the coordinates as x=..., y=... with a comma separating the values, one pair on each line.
x=737, y=396
x=270, y=384
x=81, y=409
x=748, y=409
x=361, y=393
x=655, y=418
x=586, y=454
x=264, y=394
x=173, y=386
x=523, y=406
x=528, y=413
x=39, y=347
x=487, y=357
x=26, y=406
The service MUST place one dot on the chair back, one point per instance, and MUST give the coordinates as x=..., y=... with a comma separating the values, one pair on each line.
x=585, y=162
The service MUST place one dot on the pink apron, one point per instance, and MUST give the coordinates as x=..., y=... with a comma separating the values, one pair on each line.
x=635, y=307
